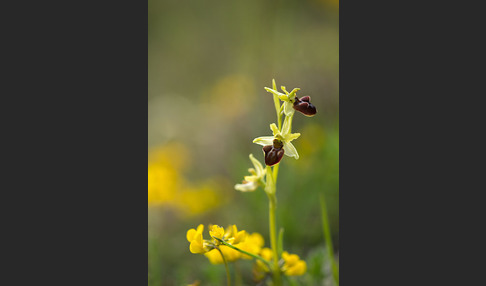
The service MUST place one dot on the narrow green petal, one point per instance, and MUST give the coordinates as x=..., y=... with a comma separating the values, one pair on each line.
x=292, y=136
x=257, y=164
x=290, y=150
x=274, y=92
x=274, y=129
x=264, y=140
x=293, y=92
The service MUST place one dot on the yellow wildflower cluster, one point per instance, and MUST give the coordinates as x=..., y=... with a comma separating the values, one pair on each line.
x=168, y=186
x=290, y=265
x=211, y=248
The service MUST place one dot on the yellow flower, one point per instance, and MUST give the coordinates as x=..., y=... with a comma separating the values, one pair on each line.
x=233, y=236
x=229, y=254
x=293, y=266
x=198, y=245
x=252, y=244
x=216, y=231
x=250, y=183
x=210, y=247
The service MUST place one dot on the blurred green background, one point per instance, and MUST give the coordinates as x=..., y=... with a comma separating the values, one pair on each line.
x=208, y=64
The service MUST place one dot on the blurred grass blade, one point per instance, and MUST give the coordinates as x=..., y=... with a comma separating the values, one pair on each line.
x=280, y=242
x=328, y=240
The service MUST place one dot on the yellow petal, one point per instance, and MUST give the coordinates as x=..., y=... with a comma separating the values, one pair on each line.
x=196, y=247
x=299, y=268
x=216, y=231
x=191, y=234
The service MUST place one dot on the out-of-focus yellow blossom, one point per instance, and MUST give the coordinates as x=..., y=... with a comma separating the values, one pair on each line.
x=194, y=201
x=167, y=185
x=260, y=269
x=164, y=172
x=250, y=183
x=252, y=244
x=173, y=154
x=162, y=183
x=229, y=254
x=293, y=266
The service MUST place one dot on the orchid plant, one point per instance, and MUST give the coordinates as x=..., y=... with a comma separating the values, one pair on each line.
x=230, y=245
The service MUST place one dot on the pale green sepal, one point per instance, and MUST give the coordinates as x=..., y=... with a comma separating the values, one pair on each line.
x=290, y=150
x=264, y=140
x=287, y=125
x=247, y=187
x=292, y=136
x=288, y=108
x=257, y=164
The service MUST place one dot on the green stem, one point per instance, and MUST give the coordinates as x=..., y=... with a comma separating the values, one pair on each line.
x=270, y=189
x=327, y=238
x=242, y=251
x=225, y=266
x=273, y=238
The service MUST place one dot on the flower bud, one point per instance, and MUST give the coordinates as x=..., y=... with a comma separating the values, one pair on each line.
x=304, y=106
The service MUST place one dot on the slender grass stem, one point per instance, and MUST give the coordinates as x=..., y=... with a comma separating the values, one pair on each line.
x=225, y=266
x=327, y=238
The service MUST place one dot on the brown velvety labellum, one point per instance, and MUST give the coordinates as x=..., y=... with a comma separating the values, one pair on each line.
x=304, y=106
x=305, y=98
x=272, y=155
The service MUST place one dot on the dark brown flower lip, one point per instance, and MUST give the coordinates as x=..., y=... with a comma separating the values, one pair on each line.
x=273, y=153
x=304, y=106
